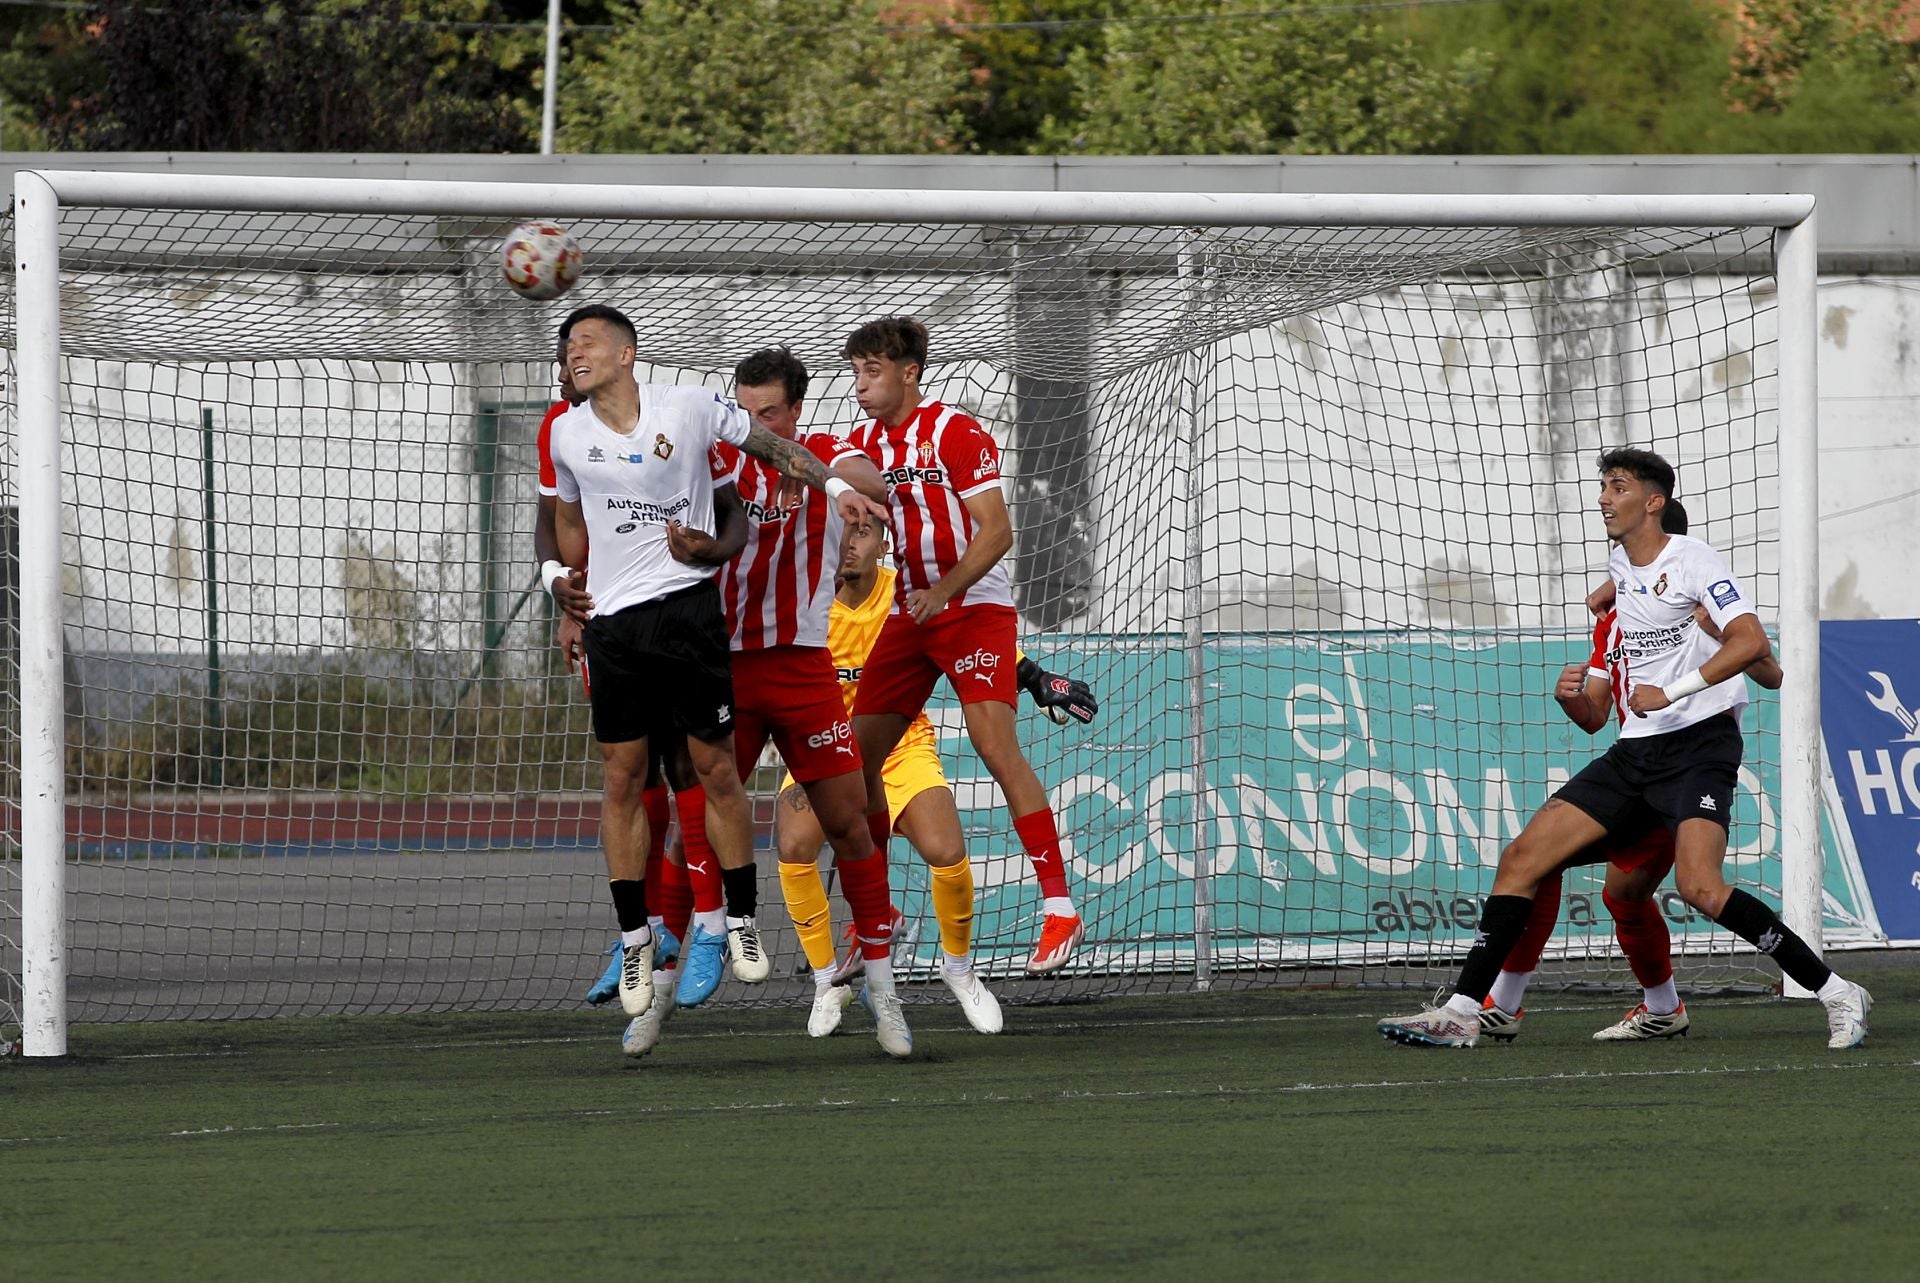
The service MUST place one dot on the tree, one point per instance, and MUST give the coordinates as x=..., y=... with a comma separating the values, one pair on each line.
x=778, y=76
x=1228, y=80
x=300, y=75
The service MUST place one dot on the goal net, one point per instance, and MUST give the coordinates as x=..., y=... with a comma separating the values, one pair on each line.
x=1307, y=502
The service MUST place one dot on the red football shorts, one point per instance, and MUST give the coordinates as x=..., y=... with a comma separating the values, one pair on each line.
x=792, y=694
x=1652, y=851
x=976, y=647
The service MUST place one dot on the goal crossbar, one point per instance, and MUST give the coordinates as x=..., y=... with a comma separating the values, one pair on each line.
x=40, y=196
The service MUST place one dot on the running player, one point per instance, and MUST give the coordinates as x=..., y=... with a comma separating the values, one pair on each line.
x=1587, y=694
x=918, y=799
x=777, y=594
x=1677, y=761
x=629, y=462
x=953, y=606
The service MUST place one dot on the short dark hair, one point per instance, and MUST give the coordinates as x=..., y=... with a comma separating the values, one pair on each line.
x=1641, y=465
x=898, y=338
x=600, y=312
x=1673, y=518
x=774, y=364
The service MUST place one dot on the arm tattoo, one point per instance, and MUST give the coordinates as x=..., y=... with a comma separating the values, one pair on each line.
x=790, y=457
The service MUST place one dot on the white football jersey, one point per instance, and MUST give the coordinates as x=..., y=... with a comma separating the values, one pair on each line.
x=629, y=486
x=1659, y=639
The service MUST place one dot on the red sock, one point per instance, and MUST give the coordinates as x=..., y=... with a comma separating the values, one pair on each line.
x=673, y=898
x=1042, y=841
x=880, y=825
x=1642, y=933
x=654, y=801
x=1546, y=911
x=864, y=885
x=702, y=869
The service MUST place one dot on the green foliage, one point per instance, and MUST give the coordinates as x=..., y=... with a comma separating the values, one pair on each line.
x=1569, y=77
x=1023, y=72
x=1295, y=82
x=775, y=76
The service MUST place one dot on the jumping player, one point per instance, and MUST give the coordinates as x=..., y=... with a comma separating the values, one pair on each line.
x=629, y=462
x=953, y=608
x=670, y=766
x=1676, y=762
x=919, y=801
x=778, y=593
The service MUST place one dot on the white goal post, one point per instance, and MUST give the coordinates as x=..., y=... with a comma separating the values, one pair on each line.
x=44, y=202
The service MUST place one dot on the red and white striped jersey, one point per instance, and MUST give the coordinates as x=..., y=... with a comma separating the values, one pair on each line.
x=931, y=463
x=1609, y=660
x=549, y=481
x=779, y=590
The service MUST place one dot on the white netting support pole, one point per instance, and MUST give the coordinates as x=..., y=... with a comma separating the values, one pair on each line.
x=43, y=892
x=1194, y=609
x=1802, y=864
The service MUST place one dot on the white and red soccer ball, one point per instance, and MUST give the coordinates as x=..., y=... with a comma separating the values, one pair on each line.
x=540, y=260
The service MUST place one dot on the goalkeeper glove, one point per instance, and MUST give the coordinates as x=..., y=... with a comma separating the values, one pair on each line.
x=1058, y=697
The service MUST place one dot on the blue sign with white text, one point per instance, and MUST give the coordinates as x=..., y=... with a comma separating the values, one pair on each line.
x=1870, y=714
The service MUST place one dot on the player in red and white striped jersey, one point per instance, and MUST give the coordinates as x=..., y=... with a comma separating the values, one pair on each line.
x=778, y=593
x=953, y=611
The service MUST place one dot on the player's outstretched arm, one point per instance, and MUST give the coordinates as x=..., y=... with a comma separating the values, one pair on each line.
x=992, y=537
x=1585, y=699
x=795, y=460
x=1600, y=600
x=1058, y=697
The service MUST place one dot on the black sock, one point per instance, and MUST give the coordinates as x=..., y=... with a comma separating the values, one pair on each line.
x=742, y=886
x=1759, y=926
x=629, y=903
x=1501, y=925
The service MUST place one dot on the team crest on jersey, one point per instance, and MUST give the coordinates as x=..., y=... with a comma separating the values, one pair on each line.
x=1660, y=586
x=595, y=454
x=662, y=446
x=926, y=453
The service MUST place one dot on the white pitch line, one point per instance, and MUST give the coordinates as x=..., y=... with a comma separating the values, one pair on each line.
x=1038, y=1098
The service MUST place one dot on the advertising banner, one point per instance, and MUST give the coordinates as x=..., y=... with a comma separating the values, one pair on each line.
x=1353, y=797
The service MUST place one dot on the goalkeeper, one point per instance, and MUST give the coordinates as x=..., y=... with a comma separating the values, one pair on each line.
x=918, y=798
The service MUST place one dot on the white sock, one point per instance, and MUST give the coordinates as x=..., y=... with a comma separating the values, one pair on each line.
x=656, y=921
x=1510, y=990
x=637, y=938
x=823, y=976
x=663, y=979
x=880, y=974
x=1663, y=999
x=713, y=921
x=1462, y=1005
x=734, y=924
x=1834, y=988
x=958, y=964
x=1059, y=906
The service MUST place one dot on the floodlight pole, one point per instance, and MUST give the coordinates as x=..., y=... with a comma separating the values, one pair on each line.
x=43, y=783
x=549, y=90
x=1802, y=862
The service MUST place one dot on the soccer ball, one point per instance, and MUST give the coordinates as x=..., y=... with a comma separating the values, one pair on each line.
x=540, y=260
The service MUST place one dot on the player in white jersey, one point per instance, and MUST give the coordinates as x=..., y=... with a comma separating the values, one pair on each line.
x=631, y=462
x=1677, y=761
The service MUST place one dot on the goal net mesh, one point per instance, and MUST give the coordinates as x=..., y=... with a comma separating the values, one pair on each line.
x=1309, y=508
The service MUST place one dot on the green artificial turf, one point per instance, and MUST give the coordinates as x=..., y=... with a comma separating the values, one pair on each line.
x=1249, y=1135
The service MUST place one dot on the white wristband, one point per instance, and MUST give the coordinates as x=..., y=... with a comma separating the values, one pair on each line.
x=550, y=571
x=1692, y=684
x=835, y=487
